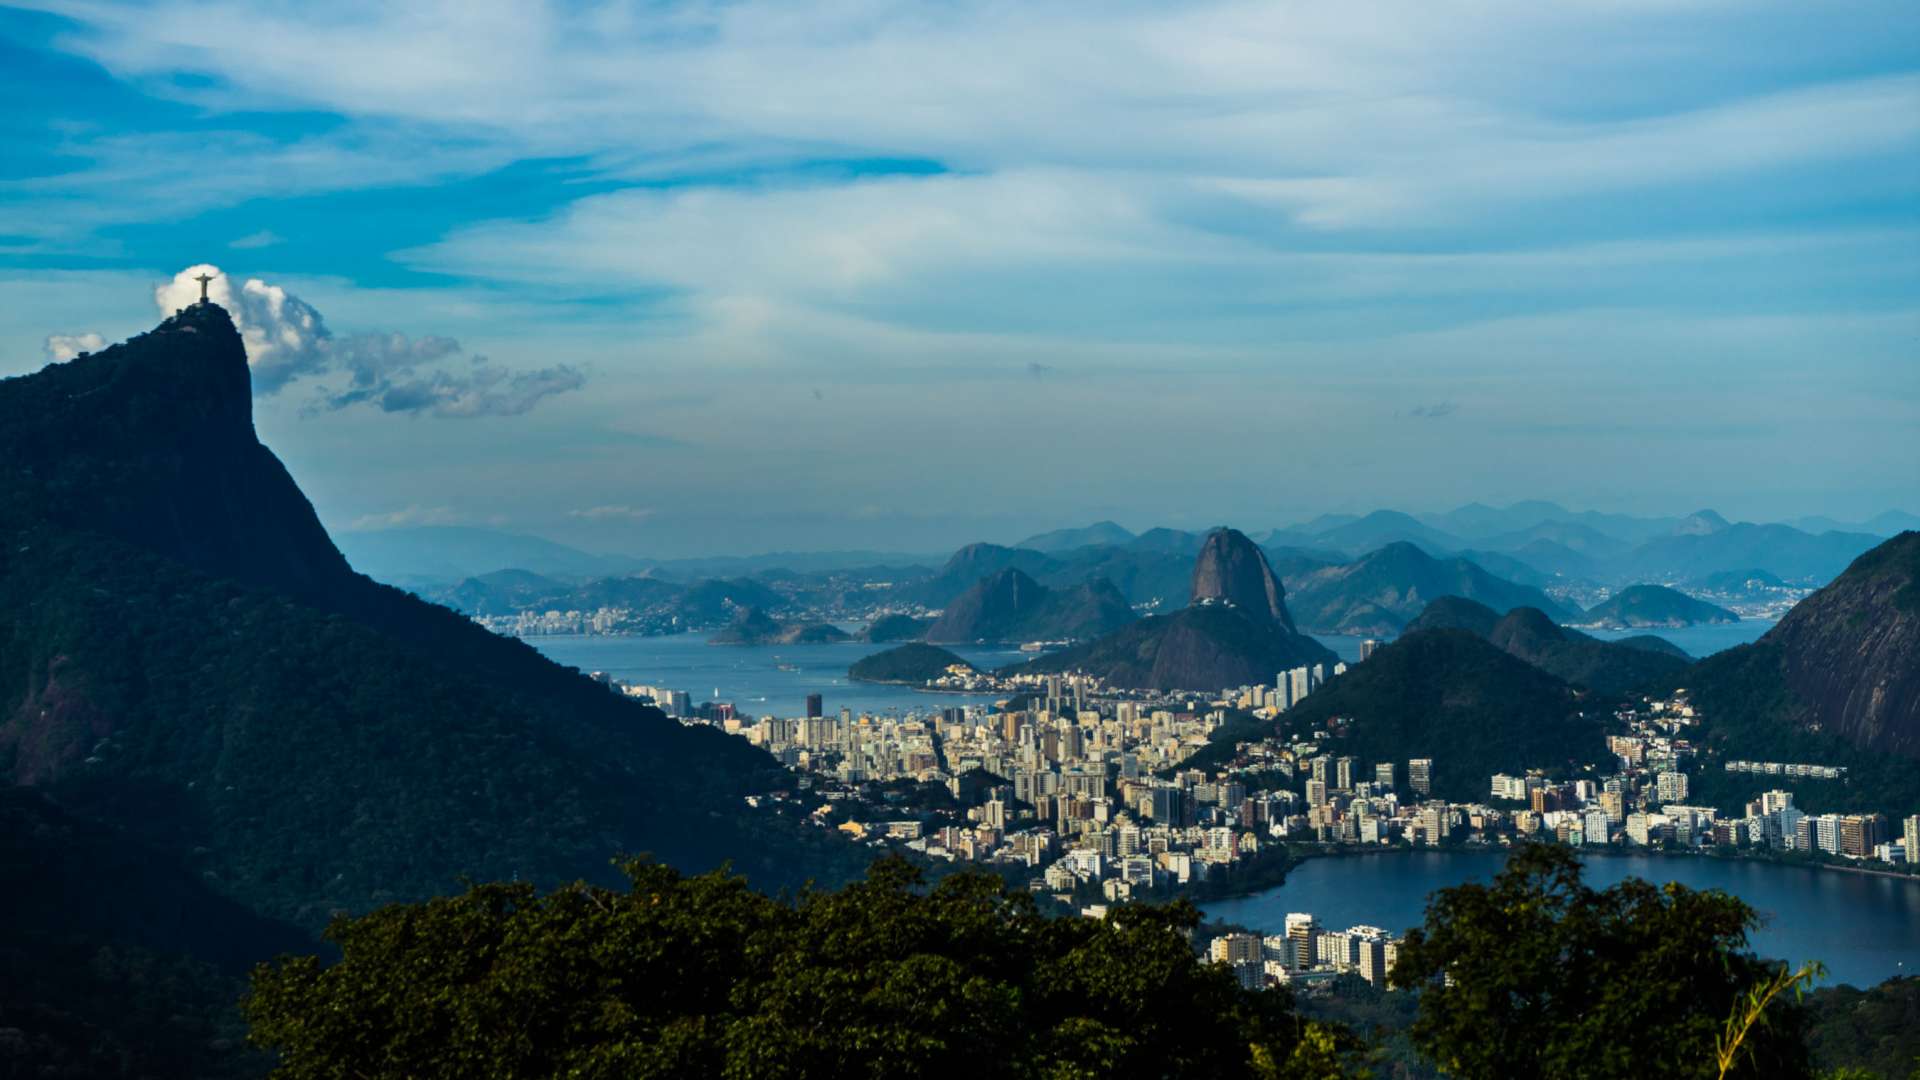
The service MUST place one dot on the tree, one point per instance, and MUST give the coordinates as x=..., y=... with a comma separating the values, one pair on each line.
x=1539, y=975
x=701, y=976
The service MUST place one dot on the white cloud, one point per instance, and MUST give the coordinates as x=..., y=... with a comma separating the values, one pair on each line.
x=261, y=239
x=414, y=515
x=287, y=340
x=63, y=347
x=612, y=513
x=1338, y=115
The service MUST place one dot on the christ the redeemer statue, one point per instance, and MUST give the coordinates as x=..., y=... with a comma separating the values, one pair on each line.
x=203, y=279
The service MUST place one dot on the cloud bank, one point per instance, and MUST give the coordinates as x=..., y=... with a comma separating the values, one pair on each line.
x=287, y=340
x=63, y=347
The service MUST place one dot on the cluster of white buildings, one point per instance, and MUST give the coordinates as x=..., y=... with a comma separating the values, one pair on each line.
x=1307, y=954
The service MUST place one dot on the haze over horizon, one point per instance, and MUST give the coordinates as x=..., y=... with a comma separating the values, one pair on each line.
x=682, y=280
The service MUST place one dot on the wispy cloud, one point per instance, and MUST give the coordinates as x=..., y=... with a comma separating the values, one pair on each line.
x=416, y=515
x=287, y=340
x=63, y=347
x=262, y=239
x=612, y=513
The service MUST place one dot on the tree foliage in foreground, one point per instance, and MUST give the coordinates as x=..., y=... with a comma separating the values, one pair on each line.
x=1538, y=975
x=701, y=976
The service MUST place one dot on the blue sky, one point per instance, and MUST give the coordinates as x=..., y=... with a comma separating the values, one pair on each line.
x=672, y=278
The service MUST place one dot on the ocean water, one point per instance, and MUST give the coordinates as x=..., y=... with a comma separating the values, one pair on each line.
x=1864, y=928
x=775, y=680
x=761, y=680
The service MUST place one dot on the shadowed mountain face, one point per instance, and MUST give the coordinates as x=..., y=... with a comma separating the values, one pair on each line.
x=1850, y=653
x=1232, y=569
x=1528, y=634
x=1837, y=682
x=184, y=654
x=1202, y=648
x=1448, y=695
x=1010, y=606
x=153, y=442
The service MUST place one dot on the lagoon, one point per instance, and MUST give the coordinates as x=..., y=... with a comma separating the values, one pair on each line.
x=1865, y=928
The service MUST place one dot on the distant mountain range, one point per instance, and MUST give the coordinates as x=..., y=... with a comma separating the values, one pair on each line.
x=1528, y=634
x=1380, y=591
x=1236, y=631
x=1836, y=683
x=1010, y=606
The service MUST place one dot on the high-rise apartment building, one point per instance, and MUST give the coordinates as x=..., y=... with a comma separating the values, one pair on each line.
x=1420, y=776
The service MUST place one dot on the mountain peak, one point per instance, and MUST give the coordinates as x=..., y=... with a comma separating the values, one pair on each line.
x=1232, y=569
x=152, y=441
x=1700, y=523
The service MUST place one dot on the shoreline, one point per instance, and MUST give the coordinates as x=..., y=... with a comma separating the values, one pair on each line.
x=1354, y=850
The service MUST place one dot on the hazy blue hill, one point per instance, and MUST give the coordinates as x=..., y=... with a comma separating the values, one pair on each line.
x=706, y=602
x=1836, y=682
x=895, y=628
x=455, y=552
x=1558, y=560
x=1175, y=541
x=1478, y=521
x=1099, y=534
x=1010, y=606
x=1378, y=529
x=502, y=592
x=1510, y=567
x=1142, y=576
x=967, y=566
x=1380, y=592
x=1780, y=550
x=756, y=627
x=1297, y=562
x=1737, y=581
x=1700, y=523
x=1570, y=535
x=1892, y=523
x=1453, y=697
x=713, y=600
x=1654, y=605
x=912, y=664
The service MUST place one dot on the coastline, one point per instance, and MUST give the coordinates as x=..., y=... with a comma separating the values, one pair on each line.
x=1334, y=851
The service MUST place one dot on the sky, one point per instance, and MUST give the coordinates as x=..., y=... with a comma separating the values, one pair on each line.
x=682, y=278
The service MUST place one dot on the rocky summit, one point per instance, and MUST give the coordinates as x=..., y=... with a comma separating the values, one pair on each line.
x=1231, y=569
